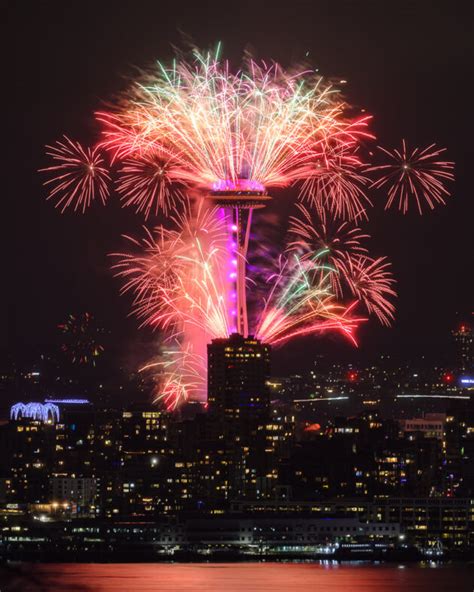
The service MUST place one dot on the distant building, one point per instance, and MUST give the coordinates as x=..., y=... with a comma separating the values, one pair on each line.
x=289, y=533
x=238, y=371
x=243, y=453
x=423, y=520
x=431, y=425
x=464, y=340
x=74, y=490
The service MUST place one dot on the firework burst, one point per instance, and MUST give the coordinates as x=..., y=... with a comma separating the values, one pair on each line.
x=419, y=174
x=301, y=302
x=371, y=282
x=150, y=183
x=199, y=129
x=335, y=183
x=312, y=233
x=261, y=123
x=78, y=177
x=81, y=339
x=180, y=376
x=177, y=278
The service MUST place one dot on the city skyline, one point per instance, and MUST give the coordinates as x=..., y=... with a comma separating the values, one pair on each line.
x=237, y=317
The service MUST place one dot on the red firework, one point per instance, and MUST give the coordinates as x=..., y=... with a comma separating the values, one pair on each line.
x=150, y=182
x=419, y=174
x=371, y=282
x=79, y=177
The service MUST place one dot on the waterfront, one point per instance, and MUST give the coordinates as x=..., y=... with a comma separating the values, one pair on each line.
x=250, y=577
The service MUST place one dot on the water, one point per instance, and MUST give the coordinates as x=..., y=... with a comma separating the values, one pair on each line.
x=243, y=577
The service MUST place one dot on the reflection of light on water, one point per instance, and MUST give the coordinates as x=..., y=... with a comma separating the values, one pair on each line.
x=358, y=576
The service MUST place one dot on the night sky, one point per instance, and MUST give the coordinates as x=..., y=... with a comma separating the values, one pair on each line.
x=407, y=63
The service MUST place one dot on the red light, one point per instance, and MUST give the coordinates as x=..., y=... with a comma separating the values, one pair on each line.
x=312, y=427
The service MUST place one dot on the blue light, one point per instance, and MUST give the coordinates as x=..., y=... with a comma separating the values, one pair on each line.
x=68, y=401
x=37, y=411
x=467, y=380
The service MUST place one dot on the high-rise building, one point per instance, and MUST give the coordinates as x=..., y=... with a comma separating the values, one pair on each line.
x=239, y=403
x=464, y=339
x=238, y=369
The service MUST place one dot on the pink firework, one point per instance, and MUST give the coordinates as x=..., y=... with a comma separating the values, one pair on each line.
x=312, y=233
x=335, y=183
x=371, y=282
x=419, y=174
x=260, y=123
x=78, y=177
x=318, y=232
x=149, y=272
x=150, y=182
x=301, y=302
x=178, y=276
x=180, y=375
x=227, y=139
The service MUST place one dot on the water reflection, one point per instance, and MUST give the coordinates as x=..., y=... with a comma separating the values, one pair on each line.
x=248, y=577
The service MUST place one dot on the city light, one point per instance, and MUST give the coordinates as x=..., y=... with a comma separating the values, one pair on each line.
x=465, y=397
x=68, y=401
x=315, y=399
x=44, y=412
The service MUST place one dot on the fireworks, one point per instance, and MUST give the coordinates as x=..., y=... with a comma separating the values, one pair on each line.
x=301, y=302
x=180, y=375
x=180, y=287
x=371, y=282
x=419, y=174
x=335, y=183
x=177, y=278
x=150, y=183
x=321, y=234
x=198, y=130
x=261, y=124
x=81, y=339
x=78, y=176
x=235, y=135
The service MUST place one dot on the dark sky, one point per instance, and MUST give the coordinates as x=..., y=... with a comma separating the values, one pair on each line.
x=410, y=64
